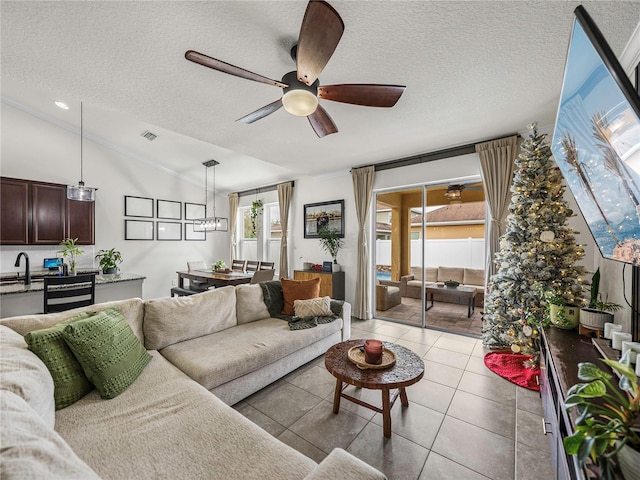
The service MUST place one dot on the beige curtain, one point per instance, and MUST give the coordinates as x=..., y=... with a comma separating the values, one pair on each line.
x=233, y=222
x=362, y=192
x=497, y=159
x=284, y=200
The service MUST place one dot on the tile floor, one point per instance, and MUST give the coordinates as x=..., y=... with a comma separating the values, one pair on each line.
x=463, y=421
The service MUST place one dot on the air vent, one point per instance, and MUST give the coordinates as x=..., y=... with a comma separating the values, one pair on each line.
x=149, y=136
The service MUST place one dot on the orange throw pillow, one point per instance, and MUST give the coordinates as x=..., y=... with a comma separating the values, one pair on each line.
x=298, y=290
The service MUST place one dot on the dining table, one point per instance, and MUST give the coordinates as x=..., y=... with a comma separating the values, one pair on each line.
x=211, y=277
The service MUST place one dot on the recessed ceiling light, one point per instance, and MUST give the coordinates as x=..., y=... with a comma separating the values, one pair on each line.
x=61, y=105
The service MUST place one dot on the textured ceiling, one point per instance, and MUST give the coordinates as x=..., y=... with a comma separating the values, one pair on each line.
x=474, y=70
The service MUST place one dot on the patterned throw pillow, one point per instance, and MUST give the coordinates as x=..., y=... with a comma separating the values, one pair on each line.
x=314, y=307
x=70, y=382
x=298, y=290
x=111, y=355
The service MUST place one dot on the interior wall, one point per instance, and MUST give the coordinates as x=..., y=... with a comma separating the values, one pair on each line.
x=38, y=150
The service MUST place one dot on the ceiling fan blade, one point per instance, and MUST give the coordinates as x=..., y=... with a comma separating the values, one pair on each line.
x=362, y=94
x=321, y=122
x=320, y=33
x=224, y=67
x=261, y=112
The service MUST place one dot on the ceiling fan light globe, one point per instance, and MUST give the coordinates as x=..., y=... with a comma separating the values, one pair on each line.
x=300, y=102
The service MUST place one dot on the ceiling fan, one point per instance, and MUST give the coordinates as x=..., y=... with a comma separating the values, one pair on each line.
x=454, y=191
x=320, y=33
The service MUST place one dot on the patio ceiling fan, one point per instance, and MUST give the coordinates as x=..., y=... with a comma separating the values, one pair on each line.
x=320, y=33
x=454, y=191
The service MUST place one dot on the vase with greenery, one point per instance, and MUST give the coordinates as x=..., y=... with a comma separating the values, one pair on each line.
x=331, y=243
x=220, y=265
x=599, y=311
x=109, y=260
x=559, y=313
x=70, y=250
x=256, y=209
x=608, y=426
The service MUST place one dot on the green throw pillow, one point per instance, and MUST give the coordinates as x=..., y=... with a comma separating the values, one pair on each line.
x=111, y=355
x=70, y=382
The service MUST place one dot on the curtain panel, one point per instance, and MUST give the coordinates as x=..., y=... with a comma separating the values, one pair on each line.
x=233, y=222
x=362, y=192
x=497, y=164
x=284, y=201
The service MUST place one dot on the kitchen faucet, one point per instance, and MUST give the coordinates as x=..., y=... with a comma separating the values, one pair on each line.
x=27, y=273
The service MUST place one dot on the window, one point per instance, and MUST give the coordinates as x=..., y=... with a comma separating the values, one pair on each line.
x=262, y=240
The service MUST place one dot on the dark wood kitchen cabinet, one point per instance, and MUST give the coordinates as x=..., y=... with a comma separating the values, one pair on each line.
x=38, y=213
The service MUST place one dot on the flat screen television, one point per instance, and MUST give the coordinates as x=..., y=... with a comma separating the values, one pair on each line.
x=596, y=141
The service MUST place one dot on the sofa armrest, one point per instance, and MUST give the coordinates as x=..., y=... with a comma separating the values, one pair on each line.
x=346, y=321
x=342, y=465
x=403, y=283
x=389, y=283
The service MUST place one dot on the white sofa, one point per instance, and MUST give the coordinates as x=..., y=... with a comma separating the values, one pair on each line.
x=411, y=285
x=167, y=424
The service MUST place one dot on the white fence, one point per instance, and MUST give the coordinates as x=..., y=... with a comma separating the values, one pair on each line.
x=463, y=252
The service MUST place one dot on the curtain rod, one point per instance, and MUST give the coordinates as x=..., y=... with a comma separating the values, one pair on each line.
x=268, y=188
x=431, y=156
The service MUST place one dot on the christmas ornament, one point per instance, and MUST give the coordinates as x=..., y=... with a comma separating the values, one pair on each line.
x=547, y=236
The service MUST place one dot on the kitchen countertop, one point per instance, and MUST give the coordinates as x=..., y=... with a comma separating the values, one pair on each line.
x=37, y=281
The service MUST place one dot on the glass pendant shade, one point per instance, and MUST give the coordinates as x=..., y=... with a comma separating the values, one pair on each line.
x=210, y=224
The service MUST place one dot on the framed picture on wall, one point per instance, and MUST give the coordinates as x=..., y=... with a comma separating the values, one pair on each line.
x=323, y=215
x=191, y=235
x=169, y=231
x=138, y=230
x=138, y=206
x=194, y=210
x=169, y=209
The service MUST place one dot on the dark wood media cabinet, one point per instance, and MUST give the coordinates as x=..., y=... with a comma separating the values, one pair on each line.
x=561, y=353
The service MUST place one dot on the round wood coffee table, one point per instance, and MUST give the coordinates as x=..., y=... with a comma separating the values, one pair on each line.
x=407, y=370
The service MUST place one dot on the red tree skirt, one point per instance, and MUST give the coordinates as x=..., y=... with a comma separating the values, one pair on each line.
x=511, y=366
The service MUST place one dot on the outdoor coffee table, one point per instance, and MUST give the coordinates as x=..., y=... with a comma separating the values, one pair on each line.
x=407, y=370
x=465, y=293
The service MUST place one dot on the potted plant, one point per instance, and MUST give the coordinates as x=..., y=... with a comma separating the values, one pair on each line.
x=559, y=313
x=220, y=266
x=598, y=311
x=70, y=250
x=256, y=209
x=331, y=243
x=109, y=260
x=608, y=425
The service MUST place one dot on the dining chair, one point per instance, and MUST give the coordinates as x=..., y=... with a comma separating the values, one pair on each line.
x=262, y=276
x=65, y=293
x=199, y=265
x=195, y=285
x=238, y=265
x=252, y=266
x=266, y=265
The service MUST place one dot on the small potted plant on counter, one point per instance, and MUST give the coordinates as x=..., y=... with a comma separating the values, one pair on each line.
x=608, y=424
x=109, y=260
x=70, y=250
x=220, y=266
x=331, y=243
x=598, y=312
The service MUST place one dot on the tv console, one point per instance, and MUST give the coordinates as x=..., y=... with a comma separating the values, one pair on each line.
x=561, y=351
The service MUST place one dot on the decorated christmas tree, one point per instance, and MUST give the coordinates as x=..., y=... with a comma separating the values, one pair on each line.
x=537, y=257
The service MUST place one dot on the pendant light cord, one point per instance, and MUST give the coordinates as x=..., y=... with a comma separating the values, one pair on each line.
x=206, y=188
x=81, y=143
x=214, y=190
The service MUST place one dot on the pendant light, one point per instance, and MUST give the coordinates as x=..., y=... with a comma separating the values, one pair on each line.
x=80, y=192
x=210, y=224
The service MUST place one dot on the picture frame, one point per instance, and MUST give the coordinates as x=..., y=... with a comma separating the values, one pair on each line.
x=192, y=211
x=329, y=214
x=168, y=209
x=191, y=235
x=169, y=231
x=138, y=230
x=138, y=206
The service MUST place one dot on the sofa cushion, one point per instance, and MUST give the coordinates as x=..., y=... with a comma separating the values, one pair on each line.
x=224, y=356
x=250, y=304
x=24, y=374
x=70, y=381
x=131, y=309
x=430, y=274
x=298, y=290
x=175, y=319
x=167, y=426
x=450, y=273
x=110, y=354
x=474, y=276
x=31, y=448
x=314, y=307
